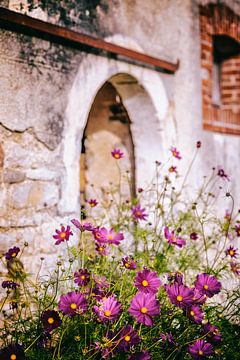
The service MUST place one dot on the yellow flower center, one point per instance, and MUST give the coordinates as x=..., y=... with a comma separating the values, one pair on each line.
x=231, y=252
x=144, y=283
x=200, y=352
x=126, y=265
x=117, y=156
x=97, y=235
x=192, y=313
x=138, y=213
x=127, y=338
x=107, y=313
x=144, y=310
x=50, y=320
x=100, y=249
x=110, y=237
x=179, y=298
x=14, y=255
x=205, y=286
x=73, y=306
x=62, y=235
x=83, y=277
x=13, y=357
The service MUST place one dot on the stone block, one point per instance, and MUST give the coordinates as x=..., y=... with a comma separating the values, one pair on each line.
x=12, y=176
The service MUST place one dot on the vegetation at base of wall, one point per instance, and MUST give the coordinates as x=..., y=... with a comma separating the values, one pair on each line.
x=152, y=275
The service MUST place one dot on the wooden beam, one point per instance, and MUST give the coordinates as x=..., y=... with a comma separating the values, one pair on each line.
x=23, y=23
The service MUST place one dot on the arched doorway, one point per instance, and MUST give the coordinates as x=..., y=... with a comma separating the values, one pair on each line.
x=108, y=127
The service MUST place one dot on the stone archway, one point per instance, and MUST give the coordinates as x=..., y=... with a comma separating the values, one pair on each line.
x=145, y=100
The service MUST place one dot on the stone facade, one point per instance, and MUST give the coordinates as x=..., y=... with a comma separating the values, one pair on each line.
x=47, y=91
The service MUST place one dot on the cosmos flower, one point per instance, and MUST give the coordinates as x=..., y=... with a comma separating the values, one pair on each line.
x=198, y=297
x=92, y=202
x=50, y=320
x=12, y=352
x=172, y=169
x=200, y=349
x=62, y=235
x=235, y=268
x=73, y=303
x=180, y=295
x=102, y=249
x=143, y=307
x=101, y=282
x=143, y=355
x=82, y=277
x=82, y=226
x=12, y=253
x=172, y=238
x=126, y=338
x=167, y=337
x=9, y=285
x=147, y=281
x=175, y=153
x=195, y=314
x=138, y=213
x=117, y=154
x=102, y=235
x=176, y=277
x=212, y=332
x=108, y=310
x=231, y=251
x=207, y=284
x=129, y=263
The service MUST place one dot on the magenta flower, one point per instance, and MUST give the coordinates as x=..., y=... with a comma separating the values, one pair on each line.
x=129, y=263
x=176, y=277
x=138, y=213
x=167, y=337
x=237, y=229
x=180, y=295
x=50, y=320
x=235, y=268
x=92, y=202
x=147, y=281
x=102, y=235
x=231, y=251
x=173, y=169
x=62, y=235
x=200, y=349
x=143, y=355
x=212, y=332
x=101, y=282
x=195, y=314
x=82, y=277
x=117, y=154
x=12, y=253
x=143, y=306
x=175, y=153
x=73, y=303
x=172, y=238
x=198, y=297
x=207, y=285
x=126, y=338
x=108, y=310
x=82, y=226
x=102, y=249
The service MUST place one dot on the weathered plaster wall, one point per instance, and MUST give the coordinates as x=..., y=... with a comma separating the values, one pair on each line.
x=47, y=92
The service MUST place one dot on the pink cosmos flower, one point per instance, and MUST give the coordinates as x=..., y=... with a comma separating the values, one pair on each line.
x=73, y=303
x=143, y=355
x=82, y=277
x=198, y=297
x=235, y=268
x=92, y=202
x=180, y=295
x=147, y=281
x=138, y=213
x=129, y=263
x=102, y=235
x=82, y=226
x=175, y=153
x=126, y=338
x=108, y=310
x=195, y=314
x=200, y=349
x=117, y=154
x=176, y=277
x=143, y=307
x=102, y=249
x=212, y=332
x=101, y=282
x=207, y=285
x=62, y=235
x=231, y=251
x=172, y=238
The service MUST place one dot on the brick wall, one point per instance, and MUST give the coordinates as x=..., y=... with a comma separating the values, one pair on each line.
x=220, y=20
